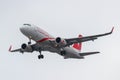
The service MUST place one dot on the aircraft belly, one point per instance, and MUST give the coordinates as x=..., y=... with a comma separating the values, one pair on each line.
x=71, y=53
x=45, y=46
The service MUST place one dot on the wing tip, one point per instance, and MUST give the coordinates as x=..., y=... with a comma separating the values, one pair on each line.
x=10, y=48
x=97, y=52
x=112, y=29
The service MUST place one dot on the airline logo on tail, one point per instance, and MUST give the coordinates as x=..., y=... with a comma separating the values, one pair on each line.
x=78, y=46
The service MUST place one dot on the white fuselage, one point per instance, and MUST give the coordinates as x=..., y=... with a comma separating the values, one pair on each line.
x=42, y=39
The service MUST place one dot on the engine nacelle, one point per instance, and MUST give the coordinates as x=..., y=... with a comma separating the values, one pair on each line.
x=60, y=41
x=26, y=48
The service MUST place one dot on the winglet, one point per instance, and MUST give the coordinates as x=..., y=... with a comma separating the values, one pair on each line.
x=112, y=29
x=10, y=48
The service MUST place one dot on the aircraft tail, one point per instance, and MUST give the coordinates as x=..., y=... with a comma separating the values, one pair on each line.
x=78, y=46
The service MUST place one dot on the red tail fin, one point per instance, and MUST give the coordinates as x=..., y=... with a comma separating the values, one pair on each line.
x=78, y=46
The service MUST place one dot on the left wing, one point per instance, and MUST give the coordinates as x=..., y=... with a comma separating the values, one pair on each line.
x=87, y=38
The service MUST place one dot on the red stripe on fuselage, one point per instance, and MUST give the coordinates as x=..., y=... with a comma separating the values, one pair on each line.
x=44, y=39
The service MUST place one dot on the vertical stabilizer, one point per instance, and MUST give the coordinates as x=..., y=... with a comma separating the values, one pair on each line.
x=78, y=46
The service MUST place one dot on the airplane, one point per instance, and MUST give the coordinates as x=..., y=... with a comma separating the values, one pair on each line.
x=66, y=47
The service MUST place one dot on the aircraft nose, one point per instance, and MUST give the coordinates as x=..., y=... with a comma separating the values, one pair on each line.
x=25, y=28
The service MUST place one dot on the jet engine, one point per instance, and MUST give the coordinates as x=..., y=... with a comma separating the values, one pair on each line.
x=60, y=41
x=26, y=48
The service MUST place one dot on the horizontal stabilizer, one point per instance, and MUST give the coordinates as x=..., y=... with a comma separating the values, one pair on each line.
x=88, y=53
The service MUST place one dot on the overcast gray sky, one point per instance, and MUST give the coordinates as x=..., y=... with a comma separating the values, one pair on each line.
x=64, y=18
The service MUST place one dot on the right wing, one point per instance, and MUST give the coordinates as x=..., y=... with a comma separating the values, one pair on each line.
x=29, y=48
x=16, y=50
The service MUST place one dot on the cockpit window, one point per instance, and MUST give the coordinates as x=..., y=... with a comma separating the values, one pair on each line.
x=27, y=24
